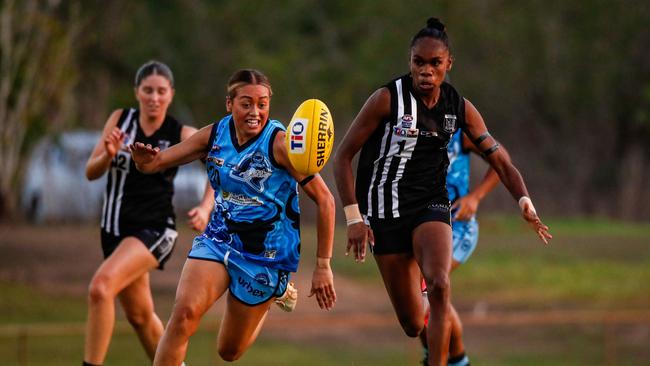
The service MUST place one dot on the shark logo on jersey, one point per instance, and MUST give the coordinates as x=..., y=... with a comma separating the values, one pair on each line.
x=254, y=169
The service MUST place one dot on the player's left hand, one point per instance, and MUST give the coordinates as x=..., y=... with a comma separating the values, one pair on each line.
x=467, y=207
x=322, y=285
x=143, y=154
x=529, y=214
x=198, y=218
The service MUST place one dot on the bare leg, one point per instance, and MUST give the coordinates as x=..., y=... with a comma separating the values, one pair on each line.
x=401, y=275
x=240, y=327
x=138, y=305
x=456, y=346
x=432, y=250
x=201, y=284
x=130, y=261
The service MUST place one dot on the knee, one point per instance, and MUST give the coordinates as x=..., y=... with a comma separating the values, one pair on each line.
x=438, y=288
x=100, y=289
x=185, y=319
x=139, y=318
x=229, y=354
x=411, y=325
x=413, y=329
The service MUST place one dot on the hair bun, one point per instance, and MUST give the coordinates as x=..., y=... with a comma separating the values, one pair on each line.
x=435, y=23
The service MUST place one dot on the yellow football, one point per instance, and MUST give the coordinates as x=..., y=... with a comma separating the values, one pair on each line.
x=310, y=137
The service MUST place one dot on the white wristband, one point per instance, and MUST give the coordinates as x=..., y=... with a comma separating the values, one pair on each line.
x=352, y=214
x=525, y=200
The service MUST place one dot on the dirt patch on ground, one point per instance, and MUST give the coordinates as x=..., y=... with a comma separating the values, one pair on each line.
x=62, y=259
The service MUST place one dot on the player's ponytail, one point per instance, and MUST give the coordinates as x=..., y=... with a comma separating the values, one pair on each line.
x=434, y=29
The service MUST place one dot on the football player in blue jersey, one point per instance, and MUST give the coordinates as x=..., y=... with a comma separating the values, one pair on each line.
x=252, y=241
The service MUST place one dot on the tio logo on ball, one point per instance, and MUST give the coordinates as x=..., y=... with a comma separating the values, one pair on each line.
x=298, y=135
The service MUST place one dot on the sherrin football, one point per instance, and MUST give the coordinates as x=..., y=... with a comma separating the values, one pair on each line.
x=310, y=137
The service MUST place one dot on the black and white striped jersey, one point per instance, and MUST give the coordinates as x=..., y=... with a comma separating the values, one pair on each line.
x=133, y=200
x=403, y=164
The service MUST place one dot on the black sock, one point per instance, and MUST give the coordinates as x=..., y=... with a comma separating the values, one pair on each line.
x=89, y=364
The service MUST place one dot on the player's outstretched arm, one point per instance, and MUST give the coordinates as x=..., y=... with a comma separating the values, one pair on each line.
x=151, y=160
x=508, y=173
x=322, y=283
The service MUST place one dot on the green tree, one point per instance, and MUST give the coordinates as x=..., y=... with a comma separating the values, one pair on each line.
x=36, y=40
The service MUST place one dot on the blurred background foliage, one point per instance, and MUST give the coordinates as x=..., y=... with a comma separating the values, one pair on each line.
x=564, y=85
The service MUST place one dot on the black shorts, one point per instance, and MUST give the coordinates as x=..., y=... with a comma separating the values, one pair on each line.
x=396, y=235
x=160, y=242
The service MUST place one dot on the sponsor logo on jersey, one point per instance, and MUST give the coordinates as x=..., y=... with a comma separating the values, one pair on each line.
x=241, y=199
x=428, y=133
x=217, y=161
x=166, y=244
x=270, y=254
x=297, y=136
x=324, y=132
x=262, y=278
x=450, y=123
x=439, y=207
x=407, y=121
x=405, y=132
x=248, y=286
x=254, y=169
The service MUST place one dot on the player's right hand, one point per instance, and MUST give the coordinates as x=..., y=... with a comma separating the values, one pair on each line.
x=113, y=142
x=359, y=235
x=198, y=218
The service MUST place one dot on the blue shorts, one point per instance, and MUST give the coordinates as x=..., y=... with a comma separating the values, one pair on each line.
x=465, y=239
x=250, y=282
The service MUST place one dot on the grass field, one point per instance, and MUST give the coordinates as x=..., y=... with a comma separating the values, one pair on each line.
x=592, y=265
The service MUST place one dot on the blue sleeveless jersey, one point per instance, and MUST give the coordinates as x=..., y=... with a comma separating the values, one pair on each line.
x=458, y=170
x=256, y=200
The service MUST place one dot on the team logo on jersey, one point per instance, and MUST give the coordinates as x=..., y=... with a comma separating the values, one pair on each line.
x=450, y=123
x=163, y=144
x=254, y=169
x=407, y=121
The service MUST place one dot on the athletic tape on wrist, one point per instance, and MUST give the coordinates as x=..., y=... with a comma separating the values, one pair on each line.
x=352, y=214
x=522, y=203
x=323, y=261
